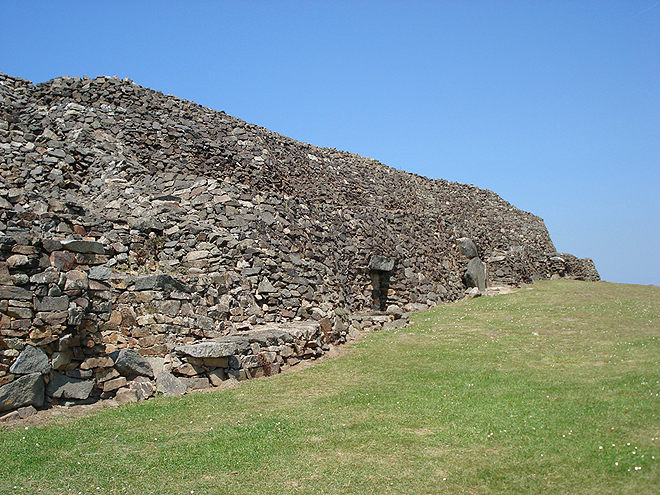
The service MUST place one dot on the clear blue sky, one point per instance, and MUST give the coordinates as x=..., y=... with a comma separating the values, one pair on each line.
x=554, y=105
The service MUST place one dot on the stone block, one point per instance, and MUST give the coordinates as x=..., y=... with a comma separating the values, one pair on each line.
x=130, y=362
x=18, y=293
x=208, y=349
x=114, y=384
x=169, y=385
x=467, y=247
x=66, y=387
x=160, y=282
x=76, y=280
x=31, y=360
x=77, y=246
x=216, y=377
x=381, y=264
x=27, y=390
x=48, y=303
x=62, y=260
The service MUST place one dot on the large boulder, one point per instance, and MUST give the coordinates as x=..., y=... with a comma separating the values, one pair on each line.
x=28, y=390
x=130, y=362
x=169, y=385
x=475, y=276
x=467, y=247
x=31, y=360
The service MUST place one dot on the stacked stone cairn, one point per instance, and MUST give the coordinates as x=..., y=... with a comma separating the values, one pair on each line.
x=152, y=245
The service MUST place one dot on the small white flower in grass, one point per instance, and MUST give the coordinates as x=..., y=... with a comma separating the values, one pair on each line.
x=600, y=448
x=616, y=463
x=638, y=468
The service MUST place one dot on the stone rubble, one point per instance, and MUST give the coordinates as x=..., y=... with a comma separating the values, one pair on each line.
x=137, y=227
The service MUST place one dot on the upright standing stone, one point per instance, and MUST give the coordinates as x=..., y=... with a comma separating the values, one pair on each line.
x=475, y=276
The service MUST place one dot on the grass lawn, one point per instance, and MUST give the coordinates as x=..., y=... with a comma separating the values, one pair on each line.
x=553, y=389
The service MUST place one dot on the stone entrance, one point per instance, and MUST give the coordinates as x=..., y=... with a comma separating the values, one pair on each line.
x=380, y=270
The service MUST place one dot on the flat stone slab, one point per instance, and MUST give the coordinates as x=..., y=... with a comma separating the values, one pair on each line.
x=65, y=387
x=302, y=330
x=209, y=349
x=161, y=282
x=76, y=246
x=18, y=293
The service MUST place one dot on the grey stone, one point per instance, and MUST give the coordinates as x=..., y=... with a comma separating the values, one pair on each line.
x=48, y=303
x=66, y=387
x=208, y=349
x=160, y=282
x=381, y=264
x=130, y=362
x=100, y=273
x=26, y=412
x=148, y=225
x=398, y=323
x=61, y=359
x=265, y=287
x=169, y=385
x=467, y=247
x=31, y=360
x=90, y=247
x=50, y=276
x=28, y=390
x=475, y=276
x=18, y=293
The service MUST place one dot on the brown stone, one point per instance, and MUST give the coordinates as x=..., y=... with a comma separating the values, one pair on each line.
x=63, y=260
x=157, y=350
x=97, y=362
x=90, y=259
x=216, y=377
x=76, y=281
x=115, y=320
x=114, y=384
x=5, y=278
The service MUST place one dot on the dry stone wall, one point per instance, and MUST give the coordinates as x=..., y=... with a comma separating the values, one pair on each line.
x=132, y=220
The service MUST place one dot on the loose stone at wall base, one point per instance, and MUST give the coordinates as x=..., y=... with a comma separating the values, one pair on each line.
x=130, y=362
x=28, y=390
x=65, y=387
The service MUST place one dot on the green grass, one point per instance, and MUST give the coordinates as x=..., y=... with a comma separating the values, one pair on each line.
x=553, y=389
